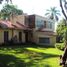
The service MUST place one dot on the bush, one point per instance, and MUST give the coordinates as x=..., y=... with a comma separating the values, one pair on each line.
x=60, y=46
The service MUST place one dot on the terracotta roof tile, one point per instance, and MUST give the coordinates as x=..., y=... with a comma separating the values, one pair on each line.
x=8, y=24
x=47, y=32
x=23, y=26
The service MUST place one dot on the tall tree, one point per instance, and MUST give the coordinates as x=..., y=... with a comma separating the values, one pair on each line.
x=63, y=5
x=53, y=13
x=10, y=11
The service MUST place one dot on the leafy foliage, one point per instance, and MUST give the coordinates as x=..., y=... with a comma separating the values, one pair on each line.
x=65, y=37
x=60, y=46
x=9, y=10
x=61, y=26
x=64, y=10
x=5, y=1
x=61, y=29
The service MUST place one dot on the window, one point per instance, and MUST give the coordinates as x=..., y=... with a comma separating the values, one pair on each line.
x=45, y=24
x=50, y=25
x=39, y=23
x=20, y=36
x=44, y=40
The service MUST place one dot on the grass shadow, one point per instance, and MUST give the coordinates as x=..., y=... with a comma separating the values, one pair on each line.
x=34, y=57
x=26, y=45
x=11, y=61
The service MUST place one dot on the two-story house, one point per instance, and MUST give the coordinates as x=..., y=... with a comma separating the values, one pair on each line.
x=43, y=30
x=29, y=28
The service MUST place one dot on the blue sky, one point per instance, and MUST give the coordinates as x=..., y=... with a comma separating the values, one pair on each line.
x=36, y=6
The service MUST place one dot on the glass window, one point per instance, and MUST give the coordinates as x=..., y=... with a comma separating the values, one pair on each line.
x=50, y=25
x=39, y=23
x=44, y=40
x=45, y=24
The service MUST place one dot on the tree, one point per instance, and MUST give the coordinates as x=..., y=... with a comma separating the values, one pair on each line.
x=5, y=1
x=53, y=13
x=60, y=30
x=63, y=5
x=10, y=11
x=64, y=10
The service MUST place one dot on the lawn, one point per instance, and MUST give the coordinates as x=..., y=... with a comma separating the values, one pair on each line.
x=19, y=56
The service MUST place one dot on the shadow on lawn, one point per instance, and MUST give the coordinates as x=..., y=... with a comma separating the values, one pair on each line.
x=37, y=59
x=10, y=61
x=20, y=50
x=34, y=56
x=25, y=45
x=41, y=56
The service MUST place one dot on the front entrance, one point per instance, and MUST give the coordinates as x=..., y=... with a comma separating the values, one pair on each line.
x=28, y=36
x=6, y=36
x=20, y=36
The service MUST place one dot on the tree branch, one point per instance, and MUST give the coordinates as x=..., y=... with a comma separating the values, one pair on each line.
x=62, y=9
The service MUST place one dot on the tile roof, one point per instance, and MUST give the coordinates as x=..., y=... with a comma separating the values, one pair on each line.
x=8, y=24
x=46, y=32
x=24, y=26
x=19, y=25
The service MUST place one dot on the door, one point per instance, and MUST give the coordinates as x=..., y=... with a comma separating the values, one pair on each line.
x=20, y=36
x=6, y=36
x=26, y=37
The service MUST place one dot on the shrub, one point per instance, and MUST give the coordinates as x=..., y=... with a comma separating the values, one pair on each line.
x=60, y=46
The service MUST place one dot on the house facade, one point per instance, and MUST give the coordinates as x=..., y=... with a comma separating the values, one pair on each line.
x=8, y=30
x=43, y=30
x=28, y=28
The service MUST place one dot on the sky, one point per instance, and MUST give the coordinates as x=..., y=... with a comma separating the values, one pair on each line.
x=38, y=7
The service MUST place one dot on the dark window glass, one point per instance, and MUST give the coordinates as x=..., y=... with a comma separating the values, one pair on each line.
x=45, y=24
x=44, y=40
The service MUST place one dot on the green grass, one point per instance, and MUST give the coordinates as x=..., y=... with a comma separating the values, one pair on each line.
x=18, y=56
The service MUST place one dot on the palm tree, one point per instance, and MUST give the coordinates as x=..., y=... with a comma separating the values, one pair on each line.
x=53, y=13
